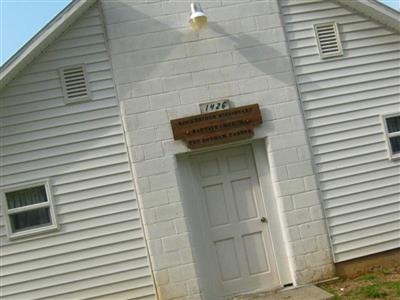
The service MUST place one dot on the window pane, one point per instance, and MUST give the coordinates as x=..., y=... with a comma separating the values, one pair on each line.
x=30, y=218
x=393, y=124
x=26, y=197
x=395, y=144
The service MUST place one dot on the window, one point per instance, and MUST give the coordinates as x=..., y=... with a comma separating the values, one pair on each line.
x=391, y=126
x=28, y=209
x=74, y=84
x=328, y=40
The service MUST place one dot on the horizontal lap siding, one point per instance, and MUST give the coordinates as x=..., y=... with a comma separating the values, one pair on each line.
x=99, y=250
x=343, y=99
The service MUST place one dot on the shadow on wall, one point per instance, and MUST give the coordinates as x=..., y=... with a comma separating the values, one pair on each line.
x=138, y=59
x=143, y=44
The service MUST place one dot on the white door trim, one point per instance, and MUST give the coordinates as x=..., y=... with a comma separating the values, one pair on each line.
x=267, y=192
x=187, y=181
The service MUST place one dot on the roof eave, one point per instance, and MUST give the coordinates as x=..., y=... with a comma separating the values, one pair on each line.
x=42, y=39
x=376, y=11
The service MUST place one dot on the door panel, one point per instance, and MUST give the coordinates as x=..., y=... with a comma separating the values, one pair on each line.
x=239, y=245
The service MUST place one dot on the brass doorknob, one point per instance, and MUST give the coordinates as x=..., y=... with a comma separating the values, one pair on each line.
x=263, y=219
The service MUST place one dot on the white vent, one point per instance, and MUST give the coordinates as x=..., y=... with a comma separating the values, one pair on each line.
x=74, y=84
x=328, y=40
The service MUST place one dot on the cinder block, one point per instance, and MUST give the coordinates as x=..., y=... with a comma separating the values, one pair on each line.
x=306, y=199
x=136, y=105
x=152, y=118
x=154, y=166
x=167, y=260
x=252, y=85
x=299, y=216
x=160, y=229
x=172, y=291
x=162, y=181
x=293, y=234
x=287, y=109
x=268, y=21
x=177, y=242
x=310, y=183
x=225, y=89
x=216, y=60
x=153, y=150
x=285, y=141
x=281, y=126
x=316, y=212
x=169, y=212
x=302, y=247
x=183, y=111
x=207, y=77
x=136, y=153
x=155, y=247
x=194, y=95
x=300, y=169
x=149, y=216
x=161, y=277
x=284, y=157
x=287, y=203
x=279, y=174
x=193, y=289
x=164, y=100
x=189, y=64
x=147, y=87
x=177, y=82
x=312, y=229
x=154, y=199
x=200, y=47
x=182, y=273
x=140, y=136
x=290, y=187
x=318, y=258
x=304, y=152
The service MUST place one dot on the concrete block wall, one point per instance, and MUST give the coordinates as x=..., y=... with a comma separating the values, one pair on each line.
x=163, y=70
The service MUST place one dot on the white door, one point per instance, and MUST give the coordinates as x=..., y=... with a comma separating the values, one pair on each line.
x=235, y=224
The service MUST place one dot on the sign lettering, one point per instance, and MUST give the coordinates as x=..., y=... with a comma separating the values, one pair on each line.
x=217, y=127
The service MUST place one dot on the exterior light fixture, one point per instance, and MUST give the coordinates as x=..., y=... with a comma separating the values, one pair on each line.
x=197, y=18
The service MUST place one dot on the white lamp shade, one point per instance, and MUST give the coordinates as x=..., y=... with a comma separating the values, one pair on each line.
x=198, y=18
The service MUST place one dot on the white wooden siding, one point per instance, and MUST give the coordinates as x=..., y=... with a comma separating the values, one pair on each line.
x=342, y=100
x=99, y=250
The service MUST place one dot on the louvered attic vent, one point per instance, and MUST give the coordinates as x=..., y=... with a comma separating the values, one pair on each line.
x=74, y=84
x=328, y=40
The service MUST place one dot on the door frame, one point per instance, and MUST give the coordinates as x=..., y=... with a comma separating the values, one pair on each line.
x=187, y=181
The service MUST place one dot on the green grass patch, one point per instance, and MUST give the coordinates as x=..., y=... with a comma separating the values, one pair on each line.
x=387, y=271
x=372, y=291
x=393, y=285
x=368, y=277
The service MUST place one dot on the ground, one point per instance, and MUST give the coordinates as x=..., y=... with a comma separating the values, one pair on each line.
x=379, y=283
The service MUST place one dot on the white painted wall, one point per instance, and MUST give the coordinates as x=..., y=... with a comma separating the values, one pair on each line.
x=99, y=251
x=163, y=70
x=343, y=99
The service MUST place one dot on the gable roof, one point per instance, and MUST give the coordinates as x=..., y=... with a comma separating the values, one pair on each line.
x=376, y=11
x=42, y=39
x=371, y=8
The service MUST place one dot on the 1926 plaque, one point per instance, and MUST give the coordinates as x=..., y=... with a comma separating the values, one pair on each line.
x=217, y=127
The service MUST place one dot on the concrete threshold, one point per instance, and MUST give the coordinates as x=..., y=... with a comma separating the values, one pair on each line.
x=309, y=292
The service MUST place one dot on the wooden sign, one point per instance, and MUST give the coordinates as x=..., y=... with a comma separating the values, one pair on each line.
x=217, y=127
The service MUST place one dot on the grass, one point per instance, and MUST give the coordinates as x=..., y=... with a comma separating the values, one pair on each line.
x=380, y=283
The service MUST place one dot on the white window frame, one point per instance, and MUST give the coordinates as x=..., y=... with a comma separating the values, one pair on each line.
x=7, y=212
x=388, y=135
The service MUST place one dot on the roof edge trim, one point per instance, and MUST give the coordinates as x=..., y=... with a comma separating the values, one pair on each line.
x=42, y=39
x=378, y=11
